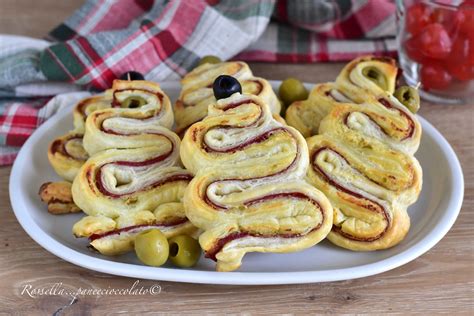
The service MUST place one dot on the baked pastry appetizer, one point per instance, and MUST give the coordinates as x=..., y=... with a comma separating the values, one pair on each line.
x=58, y=197
x=88, y=105
x=362, y=157
x=114, y=236
x=66, y=153
x=375, y=75
x=196, y=94
x=249, y=192
x=141, y=114
x=132, y=180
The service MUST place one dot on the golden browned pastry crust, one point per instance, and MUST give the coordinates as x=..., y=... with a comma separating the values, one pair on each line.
x=249, y=192
x=66, y=153
x=139, y=109
x=132, y=180
x=88, y=105
x=116, y=236
x=196, y=94
x=362, y=157
x=58, y=197
x=306, y=115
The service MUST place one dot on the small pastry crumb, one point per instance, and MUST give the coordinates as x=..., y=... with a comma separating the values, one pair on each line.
x=58, y=197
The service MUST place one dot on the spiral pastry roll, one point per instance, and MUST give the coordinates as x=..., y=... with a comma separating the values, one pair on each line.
x=361, y=81
x=132, y=180
x=249, y=192
x=139, y=114
x=66, y=153
x=196, y=94
x=88, y=105
x=363, y=161
x=117, y=182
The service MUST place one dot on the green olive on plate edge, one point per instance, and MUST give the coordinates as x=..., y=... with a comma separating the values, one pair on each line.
x=184, y=251
x=152, y=247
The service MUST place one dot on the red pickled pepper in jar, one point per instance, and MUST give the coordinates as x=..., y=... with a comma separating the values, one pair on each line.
x=413, y=51
x=434, y=76
x=465, y=18
x=461, y=60
x=417, y=17
x=435, y=41
x=442, y=41
x=460, y=63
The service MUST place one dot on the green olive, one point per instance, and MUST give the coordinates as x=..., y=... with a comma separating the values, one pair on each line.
x=209, y=60
x=376, y=76
x=409, y=97
x=133, y=102
x=184, y=251
x=152, y=247
x=292, y=90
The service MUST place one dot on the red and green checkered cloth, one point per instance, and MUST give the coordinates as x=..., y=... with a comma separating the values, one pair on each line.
x=166, y=39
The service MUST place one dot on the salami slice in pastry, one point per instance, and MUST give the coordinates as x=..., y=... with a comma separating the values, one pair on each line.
x=133, y=180
x=361, y=156
x=196, y=94
x=249, y=193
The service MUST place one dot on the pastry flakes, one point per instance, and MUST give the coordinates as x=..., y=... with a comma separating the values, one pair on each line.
x=196, y=94
x=361, y=156
x=249, y=192
x=132, y=180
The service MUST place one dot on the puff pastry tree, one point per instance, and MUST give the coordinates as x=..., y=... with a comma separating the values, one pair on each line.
x=362, y=153
x=132, y=180
x=249, y=193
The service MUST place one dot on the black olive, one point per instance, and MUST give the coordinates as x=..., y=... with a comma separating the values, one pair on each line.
x=132, y=75
x=93, y=89
x=224, y=86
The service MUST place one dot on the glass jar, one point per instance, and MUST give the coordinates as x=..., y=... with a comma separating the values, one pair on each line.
x=436, y=48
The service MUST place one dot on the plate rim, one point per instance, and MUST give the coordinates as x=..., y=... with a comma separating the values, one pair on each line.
x=428, y=241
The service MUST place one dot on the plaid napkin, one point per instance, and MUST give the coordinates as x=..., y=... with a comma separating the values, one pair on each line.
x=165, y=39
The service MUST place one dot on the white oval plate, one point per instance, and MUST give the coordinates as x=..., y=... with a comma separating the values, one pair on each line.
x=431, y=217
